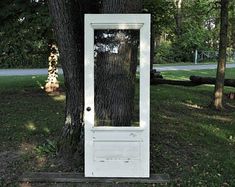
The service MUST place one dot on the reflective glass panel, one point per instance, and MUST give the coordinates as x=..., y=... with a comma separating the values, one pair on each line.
x=116, y=54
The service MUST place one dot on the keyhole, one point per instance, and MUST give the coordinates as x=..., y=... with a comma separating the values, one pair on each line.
x=88, y=109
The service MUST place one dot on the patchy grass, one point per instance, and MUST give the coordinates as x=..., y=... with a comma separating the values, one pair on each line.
x=190, y=141
x=184, y=64
x=192, y=63
x=29, y=118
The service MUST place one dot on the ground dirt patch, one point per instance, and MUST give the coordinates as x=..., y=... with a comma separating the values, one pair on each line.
x=10, y=162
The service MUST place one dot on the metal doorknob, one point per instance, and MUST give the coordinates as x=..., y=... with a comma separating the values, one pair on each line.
x=88, y=109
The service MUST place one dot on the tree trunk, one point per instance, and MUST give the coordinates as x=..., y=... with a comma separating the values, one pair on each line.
x=68, y=27
x=115, y=71
x=52, y=84
x=233, y=27
x=178, y=17
x=210, y=80
x=194, y=81
x=121, y=6
x=156, y=81
x=152, y=45
x=219, y=85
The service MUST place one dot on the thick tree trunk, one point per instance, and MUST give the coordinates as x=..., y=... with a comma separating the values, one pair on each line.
x=114, y=91
x=219, y=85
x=68, y=27
x=115, y=71
x=121, y=6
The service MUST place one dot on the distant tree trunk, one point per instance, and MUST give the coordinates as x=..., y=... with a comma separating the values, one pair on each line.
x=152, y=46
x=115, y=73
x=52, y=84
x=178, y=16
x=219, y=85
x=233, y=27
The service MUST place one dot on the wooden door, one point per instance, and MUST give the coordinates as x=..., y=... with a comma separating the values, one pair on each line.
x=115, y=145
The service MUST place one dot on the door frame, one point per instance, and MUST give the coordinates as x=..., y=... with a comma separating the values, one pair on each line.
x=117, y=21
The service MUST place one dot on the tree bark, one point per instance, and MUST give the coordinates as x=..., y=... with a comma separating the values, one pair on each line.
x=121, y=6
x=152, y=45
x=210, y=80
x=68, y=27
x=219, y=85
x=233, y=27
x=156, y=81
x=115, y=72
x=178, y=17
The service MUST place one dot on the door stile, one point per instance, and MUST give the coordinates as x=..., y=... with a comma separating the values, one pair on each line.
x=89, y=93
x=145, y=90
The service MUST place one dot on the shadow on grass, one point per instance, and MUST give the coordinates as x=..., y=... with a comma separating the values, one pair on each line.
x=29, y=118
x=190, y=141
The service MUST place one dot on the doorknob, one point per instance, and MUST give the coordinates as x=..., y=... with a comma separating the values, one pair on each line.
x=88, y=109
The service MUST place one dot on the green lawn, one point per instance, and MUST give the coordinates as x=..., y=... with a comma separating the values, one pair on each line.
x=189, y=141
x=192, y=63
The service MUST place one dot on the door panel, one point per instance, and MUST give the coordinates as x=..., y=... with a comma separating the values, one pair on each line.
x=116, y=95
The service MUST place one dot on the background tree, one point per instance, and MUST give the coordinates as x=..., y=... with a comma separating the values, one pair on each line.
x=161, y=12
x=219, y=85
x=232, y=25
x=25, y=32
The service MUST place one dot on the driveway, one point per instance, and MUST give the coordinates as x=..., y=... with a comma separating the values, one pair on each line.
x=11, y=72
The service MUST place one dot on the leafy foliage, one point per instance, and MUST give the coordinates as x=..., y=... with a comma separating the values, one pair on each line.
x=182, y=28
x=25, y=30
x=47, y=148
x=25, y=33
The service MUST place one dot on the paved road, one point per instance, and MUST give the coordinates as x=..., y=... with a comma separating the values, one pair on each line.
x=10, y=72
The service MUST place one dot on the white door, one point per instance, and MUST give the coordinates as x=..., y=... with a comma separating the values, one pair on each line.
x=111, y=150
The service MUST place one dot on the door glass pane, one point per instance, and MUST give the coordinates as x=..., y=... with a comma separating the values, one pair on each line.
x=116, y=54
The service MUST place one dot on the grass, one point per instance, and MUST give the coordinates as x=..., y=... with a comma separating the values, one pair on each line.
x=194, y=143
x=29, y=118
x=192, y=63
x=189, y=141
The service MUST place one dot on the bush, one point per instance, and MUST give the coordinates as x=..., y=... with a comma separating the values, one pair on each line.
x=164, y=53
